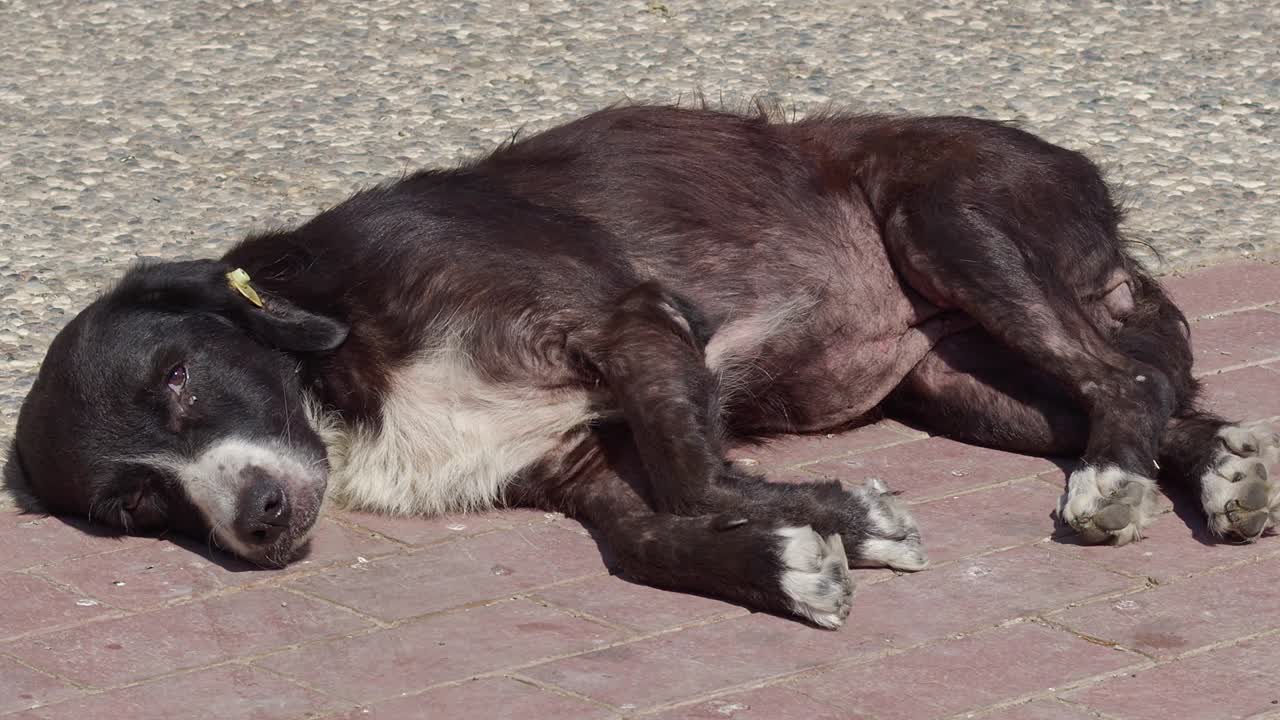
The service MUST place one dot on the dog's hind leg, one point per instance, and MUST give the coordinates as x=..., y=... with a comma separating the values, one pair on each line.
x=1222, y=462
x=1022, y=279
x=973, y=389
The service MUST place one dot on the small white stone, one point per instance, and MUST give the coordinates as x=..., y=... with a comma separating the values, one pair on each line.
x=977, y=571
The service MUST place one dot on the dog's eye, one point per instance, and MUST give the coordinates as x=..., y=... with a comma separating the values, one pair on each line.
x=177, y=378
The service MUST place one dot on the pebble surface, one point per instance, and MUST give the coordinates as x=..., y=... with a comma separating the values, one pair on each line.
x=169, y=129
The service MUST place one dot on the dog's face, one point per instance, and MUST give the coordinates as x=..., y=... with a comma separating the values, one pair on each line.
x=174, y=403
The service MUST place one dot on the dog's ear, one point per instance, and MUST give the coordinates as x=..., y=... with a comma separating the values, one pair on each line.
x=210, y=286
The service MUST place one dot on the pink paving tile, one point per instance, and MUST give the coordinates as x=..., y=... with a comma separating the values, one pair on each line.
x=482, y=568
x=415, y=530
x=793, y=450
x=332, y=542
x=1232, y=682
x=21, y=687
x=932, y=467
x=1004, y=516
x=37, y=539
x=162, y=571
x=973, y=594
x=636, y=606
x=1234, y=339
x=1170, y=550
x=1251, y=393
x=487, y=698
x=1224, y=287
x=139, y=646
x=1050, y=709
x=864, y=577
x=950, y=677
x=453, y=646
x=1173, y=619
x=775, y=702
x=232, y=691
x=152, y=574
x=32, y=604
x=674, y=666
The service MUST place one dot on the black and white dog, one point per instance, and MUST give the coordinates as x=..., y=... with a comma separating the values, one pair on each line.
x=583, y=319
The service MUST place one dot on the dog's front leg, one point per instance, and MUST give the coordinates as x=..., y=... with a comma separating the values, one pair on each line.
x=651, y=359
x=767, y=555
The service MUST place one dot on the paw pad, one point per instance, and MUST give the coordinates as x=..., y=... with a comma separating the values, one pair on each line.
x=1240, y=500
x=1108, y=505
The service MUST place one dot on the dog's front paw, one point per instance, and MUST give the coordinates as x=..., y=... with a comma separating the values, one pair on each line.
x=815, y=576
x=889, y=536
x=1107, y=504
x=1239, y=498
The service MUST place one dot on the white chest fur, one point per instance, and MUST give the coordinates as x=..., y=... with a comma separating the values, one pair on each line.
x=449, y=440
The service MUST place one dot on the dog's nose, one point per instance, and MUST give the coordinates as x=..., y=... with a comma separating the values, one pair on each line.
x=264, y=511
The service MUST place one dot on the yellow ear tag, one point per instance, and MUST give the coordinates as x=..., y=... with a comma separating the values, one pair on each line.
x=239, y=279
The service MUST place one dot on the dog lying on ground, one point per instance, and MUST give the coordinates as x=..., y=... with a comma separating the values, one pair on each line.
x=582, y=320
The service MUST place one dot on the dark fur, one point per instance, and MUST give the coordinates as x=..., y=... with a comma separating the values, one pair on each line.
x=948, y=271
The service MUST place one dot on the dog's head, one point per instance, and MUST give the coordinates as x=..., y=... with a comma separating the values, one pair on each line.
x=174, y=402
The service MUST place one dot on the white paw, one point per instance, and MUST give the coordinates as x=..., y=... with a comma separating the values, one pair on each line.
x=1107, y=504
x=815, y=576
x=1256, y=440
x=892, y=536
x=1239, y=498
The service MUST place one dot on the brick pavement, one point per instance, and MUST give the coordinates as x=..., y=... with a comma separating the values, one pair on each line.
x=513, y=614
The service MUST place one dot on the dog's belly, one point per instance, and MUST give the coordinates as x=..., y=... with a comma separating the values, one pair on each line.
x=852, y=375
x=825, y=358
x=449, y=440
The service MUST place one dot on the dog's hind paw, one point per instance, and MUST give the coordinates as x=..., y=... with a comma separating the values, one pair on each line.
x=815, y=576
x=1107, y=504
x=1240, y=500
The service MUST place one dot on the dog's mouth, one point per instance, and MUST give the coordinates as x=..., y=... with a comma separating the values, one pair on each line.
x=271, y=530
x=260, y=500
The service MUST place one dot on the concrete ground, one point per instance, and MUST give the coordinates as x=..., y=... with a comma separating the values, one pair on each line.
x=154, y=129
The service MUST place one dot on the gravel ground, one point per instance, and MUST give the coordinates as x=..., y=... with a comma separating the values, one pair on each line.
x=169, y=129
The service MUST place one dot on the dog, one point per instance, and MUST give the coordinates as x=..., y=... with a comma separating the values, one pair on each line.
x=584, y=319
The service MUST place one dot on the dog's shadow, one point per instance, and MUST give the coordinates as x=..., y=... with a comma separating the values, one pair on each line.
x=14, y=482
